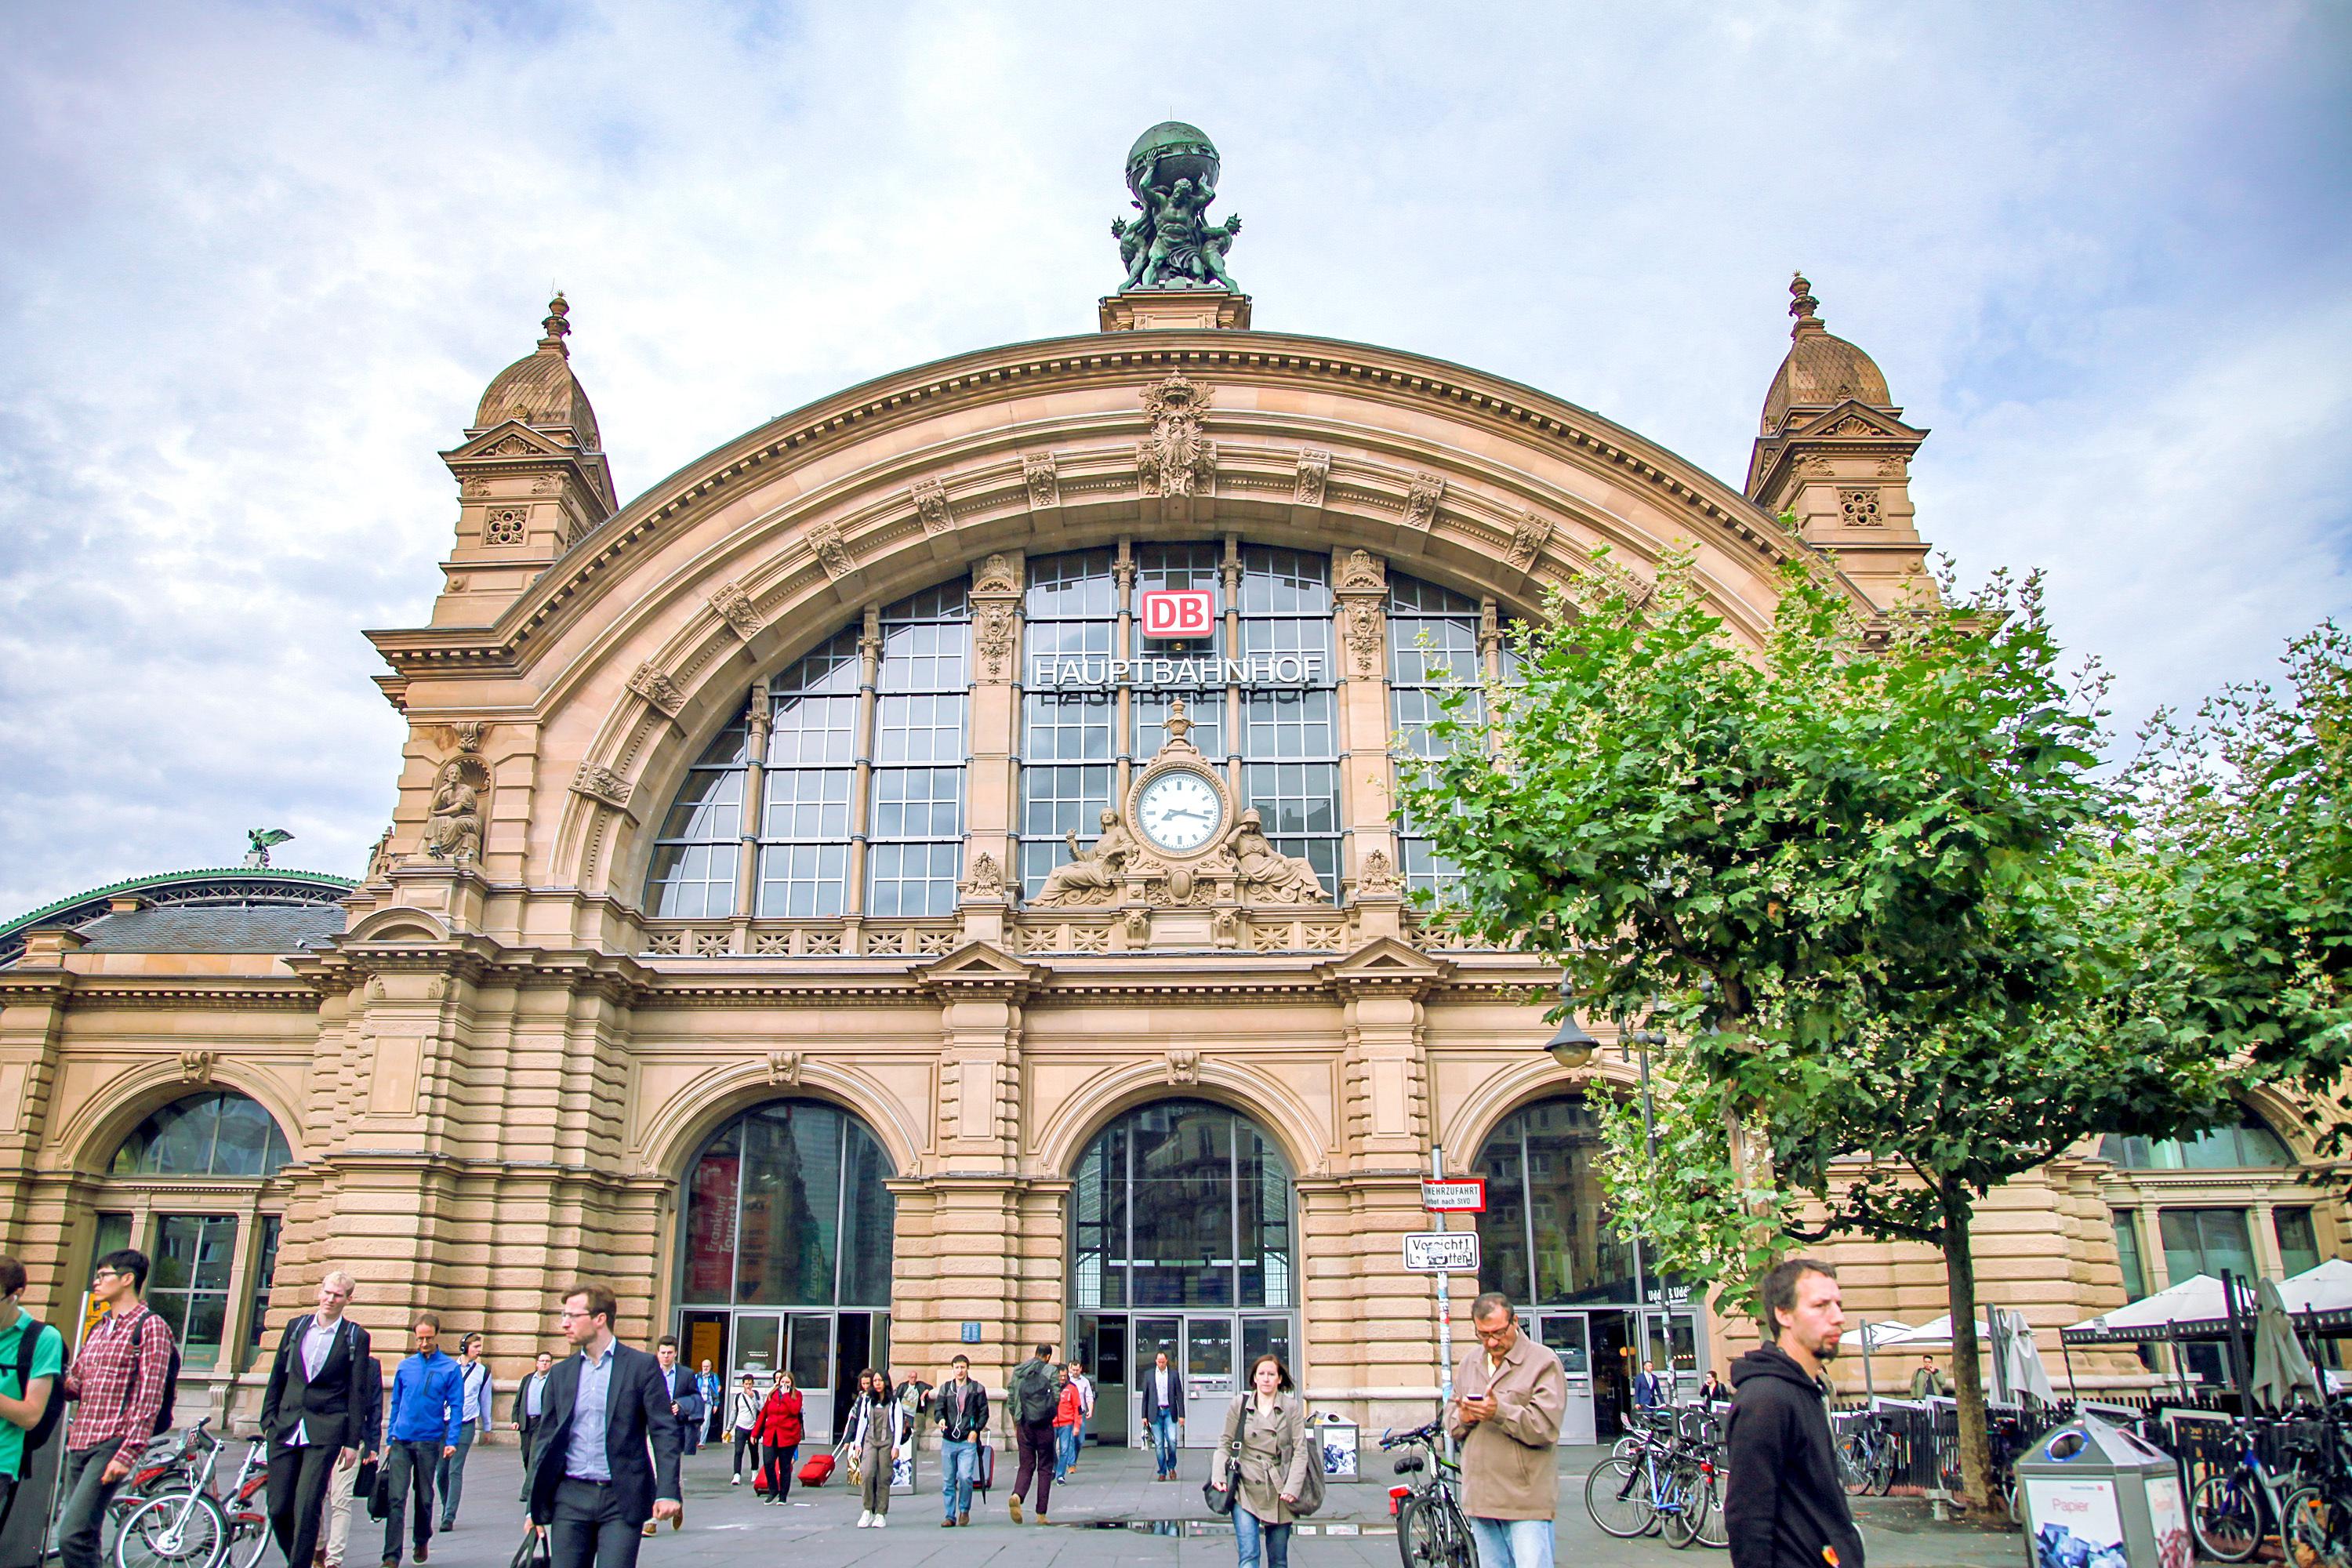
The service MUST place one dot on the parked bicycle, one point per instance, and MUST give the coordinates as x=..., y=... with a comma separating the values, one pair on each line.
x=1432, y=1530
x=2235, y=1508
x=1865, y=1453
x=194, y=1529
x=171, y=1463
x=1660, y=1487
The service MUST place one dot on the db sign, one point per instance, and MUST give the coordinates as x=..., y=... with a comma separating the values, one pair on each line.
x=1178, y=613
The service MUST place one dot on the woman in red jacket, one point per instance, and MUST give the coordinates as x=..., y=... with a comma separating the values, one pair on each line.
x=780, y=1435
x=1068, y=1411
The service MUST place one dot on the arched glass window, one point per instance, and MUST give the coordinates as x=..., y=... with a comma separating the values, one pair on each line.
x=1545, y=1239
x=1183, y=1203
x=1417, y=674
x=1278, y=739
x=915, y=840
x=2247, y=1143
x=785, y=1206
x=217, y=1134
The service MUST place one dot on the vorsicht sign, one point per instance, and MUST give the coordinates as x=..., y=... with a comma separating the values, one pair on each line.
x=1442, y=1252
x=1179, y=614
x=1051, y=672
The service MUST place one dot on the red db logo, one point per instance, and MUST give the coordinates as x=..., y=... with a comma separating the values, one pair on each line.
x=1179, y=612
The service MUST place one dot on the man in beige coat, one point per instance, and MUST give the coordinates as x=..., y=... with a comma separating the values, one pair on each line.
x=1508, y=1395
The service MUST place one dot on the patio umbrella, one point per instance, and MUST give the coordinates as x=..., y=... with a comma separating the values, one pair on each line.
x=2281, y=1369
x=2027, y=1375
x=1875, y=1337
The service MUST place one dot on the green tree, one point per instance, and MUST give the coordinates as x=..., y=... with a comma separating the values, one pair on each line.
x=1860, y=877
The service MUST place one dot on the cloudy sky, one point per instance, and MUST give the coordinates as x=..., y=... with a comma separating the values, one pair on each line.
x=257, y=262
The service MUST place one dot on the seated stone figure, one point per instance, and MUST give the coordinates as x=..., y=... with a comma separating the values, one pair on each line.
x=1266, y=873
x=1093, y=876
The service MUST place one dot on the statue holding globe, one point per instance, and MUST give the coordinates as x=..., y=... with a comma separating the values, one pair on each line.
x=1172, y=173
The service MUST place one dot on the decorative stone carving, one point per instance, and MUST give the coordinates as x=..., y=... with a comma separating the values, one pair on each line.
x=468, y=733
x=1362, y=573
x=785, y=1067
x=1183, y=1065
x=380, y=860
x=512, y=447
x=932, y=503
x=992, y=633
x=452, y=825
x=1138, y=927
x=987, y=878
x=1528, y=536
x=1091, y=877
x=734, y=606
x=543, y=486
x=996, y=576
x=824, y=543
x=599, y=783
x=1853, y=424
x=1314, y=473
x=1890, y=468
x=1044, y=483
x=476, y=487
x=1377, y=874
x=654, y=684
x=196, y=1064
x=1365, y=635
x=1225, y=928
x=1420, y=501
x=1176, y=461
x=505, y=525
x=1860, y=506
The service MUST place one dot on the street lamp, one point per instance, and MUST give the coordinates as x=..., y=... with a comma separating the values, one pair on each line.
x=1569, y=1045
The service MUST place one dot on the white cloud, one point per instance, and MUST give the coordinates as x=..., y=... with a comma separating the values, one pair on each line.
x=263, y=259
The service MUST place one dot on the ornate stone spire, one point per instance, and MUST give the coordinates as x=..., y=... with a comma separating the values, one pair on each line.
x=1802, y=305
x=558, y=328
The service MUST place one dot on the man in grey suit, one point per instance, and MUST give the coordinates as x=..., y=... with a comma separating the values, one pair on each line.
x=605, y=1459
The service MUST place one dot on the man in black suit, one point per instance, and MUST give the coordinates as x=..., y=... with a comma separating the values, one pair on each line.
x=593, y=1483
x=311, y=1414
x=529, y=1407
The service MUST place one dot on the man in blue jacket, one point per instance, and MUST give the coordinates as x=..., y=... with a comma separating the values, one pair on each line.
x=429, y=1396
x=593, y=1485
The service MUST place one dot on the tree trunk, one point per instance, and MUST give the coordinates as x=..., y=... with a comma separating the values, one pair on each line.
x=1967, y=1378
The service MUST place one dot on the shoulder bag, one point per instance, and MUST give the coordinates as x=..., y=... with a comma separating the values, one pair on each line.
x=1224, y=1465
x=1310, y=1491
x=532, y=1552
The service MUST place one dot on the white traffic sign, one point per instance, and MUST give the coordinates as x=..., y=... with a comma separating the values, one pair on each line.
x=1461, y=1196
x=1442, y=1252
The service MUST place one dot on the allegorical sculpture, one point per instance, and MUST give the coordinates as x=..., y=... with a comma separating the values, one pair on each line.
x=452, y=830
x=1171, y=172
x=259, y=842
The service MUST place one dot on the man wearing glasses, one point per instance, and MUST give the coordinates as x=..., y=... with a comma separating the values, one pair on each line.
x=594, y=1486
x=120, y=1377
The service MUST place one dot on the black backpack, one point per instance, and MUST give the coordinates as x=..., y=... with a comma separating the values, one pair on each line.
x=29, y=1341
x=1033, y=1397
x=171, y=1380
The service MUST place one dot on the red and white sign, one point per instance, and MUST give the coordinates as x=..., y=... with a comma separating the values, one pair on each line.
x=1173, y=613
x=1455, y=1194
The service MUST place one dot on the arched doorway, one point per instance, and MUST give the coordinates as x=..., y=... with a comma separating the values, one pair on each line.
x=1184, y=1240
x=784, y=1252
x=1547, y=1241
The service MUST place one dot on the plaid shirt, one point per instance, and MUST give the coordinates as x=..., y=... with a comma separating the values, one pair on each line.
x=118, y=1394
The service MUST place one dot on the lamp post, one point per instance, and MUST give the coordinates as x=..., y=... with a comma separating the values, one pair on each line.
x=1645, y=1038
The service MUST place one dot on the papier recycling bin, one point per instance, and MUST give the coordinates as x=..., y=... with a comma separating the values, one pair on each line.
x=2097, y=1496
x=1339, y=1439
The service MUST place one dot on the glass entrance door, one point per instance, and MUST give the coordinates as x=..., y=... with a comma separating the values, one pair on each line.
x=1565, y=1335
x=1213, y=1351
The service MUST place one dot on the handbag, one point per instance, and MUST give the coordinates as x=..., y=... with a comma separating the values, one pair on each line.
x=1310, y=1491
x=1218, y=1491
x=363, y=1482
x=533, y=1551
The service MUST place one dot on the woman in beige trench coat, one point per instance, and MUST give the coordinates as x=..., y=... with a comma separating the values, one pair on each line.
x=1267, y=1429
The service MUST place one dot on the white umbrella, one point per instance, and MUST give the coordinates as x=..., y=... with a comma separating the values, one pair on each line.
x=2281, y=1369
x=1874, y=1337
x=2196, y=1299
x=2026, y=1372
x=2326, y=1288
x=1935, y=1332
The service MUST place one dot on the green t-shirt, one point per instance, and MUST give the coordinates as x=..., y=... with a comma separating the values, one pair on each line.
x=48, y=1361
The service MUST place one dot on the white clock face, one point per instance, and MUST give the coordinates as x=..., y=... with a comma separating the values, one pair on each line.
x=1180, y=811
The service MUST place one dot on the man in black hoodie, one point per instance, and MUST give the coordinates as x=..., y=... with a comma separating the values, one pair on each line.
x=1783, y=1504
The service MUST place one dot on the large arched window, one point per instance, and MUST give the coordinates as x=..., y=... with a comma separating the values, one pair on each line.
x=1545, y=1238
x=188, y=1188
x=1183, y=1203
x=2247, y=1143
x=806, y=816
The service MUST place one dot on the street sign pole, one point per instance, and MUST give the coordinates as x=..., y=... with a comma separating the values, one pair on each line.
x=1445, y=1320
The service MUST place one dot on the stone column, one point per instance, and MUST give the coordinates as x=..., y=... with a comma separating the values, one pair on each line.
x=993, y=783
x=1363, y=642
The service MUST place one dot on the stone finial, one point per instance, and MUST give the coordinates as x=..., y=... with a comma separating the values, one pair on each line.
x=558, y=328
x=1802, y=305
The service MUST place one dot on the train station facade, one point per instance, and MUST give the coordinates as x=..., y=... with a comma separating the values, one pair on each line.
x=922, y=878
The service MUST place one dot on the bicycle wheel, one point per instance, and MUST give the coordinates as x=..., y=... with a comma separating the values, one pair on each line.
x=1619, y=1500
x=180, y=1530
x=248, y=1533
x=2225, y=1517
x=1679, y=1509
x=1455, y=1543
x=1711, y=1530
x=1422, y=1535
x=2315, y=1534
x=1882, y=1467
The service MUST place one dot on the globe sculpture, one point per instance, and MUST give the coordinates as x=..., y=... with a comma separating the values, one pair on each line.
x=1172, y=173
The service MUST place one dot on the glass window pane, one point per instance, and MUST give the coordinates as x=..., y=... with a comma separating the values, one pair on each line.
x=812, y=1347
x=2299, y=1240
x=2206, y=1241
x=2127, y=1254
x=263, y=1272
x=868, y=1219
x=710, y=1220
x=1543, y=1176
x=1208, y=1348
x=758, y=1348
x=790, y=1183
x=1266, y=1336
x=1174, y=1180
x=214, y=1134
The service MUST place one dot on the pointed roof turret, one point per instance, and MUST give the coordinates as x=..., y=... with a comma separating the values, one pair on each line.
x=540, y=390
x=1821, y=371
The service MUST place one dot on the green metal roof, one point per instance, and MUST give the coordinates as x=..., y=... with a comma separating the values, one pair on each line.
x=219, y=886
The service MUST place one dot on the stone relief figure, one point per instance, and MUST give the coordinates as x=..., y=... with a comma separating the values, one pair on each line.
x=1095, y=876
x=452, y=830
x=1266, y=872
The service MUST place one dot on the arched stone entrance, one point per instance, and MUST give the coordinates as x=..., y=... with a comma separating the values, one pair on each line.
x=1184, y=1238
x=784, y=1252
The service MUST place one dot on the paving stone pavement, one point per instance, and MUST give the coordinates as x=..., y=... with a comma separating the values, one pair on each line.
x=1110, y=1513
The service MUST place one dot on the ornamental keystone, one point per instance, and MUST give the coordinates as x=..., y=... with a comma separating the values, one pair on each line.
x=736, y=608
x=654, y=684
x=602, y=784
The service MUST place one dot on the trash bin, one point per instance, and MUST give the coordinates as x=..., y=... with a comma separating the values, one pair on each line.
x=1339, y=1439
x=2097, y=1495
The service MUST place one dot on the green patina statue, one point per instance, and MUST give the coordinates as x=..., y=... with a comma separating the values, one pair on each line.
x=1172, y=173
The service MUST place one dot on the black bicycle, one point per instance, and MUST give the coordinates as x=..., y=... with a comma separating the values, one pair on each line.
x=1432, y=1530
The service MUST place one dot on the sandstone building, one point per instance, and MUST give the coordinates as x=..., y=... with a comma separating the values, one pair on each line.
x=921, y=877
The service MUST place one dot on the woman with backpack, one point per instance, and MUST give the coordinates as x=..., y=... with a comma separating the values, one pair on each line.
x=780, y=1437
x=1268, y=1458
x=744, y=1407
x=876, y=1428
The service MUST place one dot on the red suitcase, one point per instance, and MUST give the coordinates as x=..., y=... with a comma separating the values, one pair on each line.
x=816, y=1471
